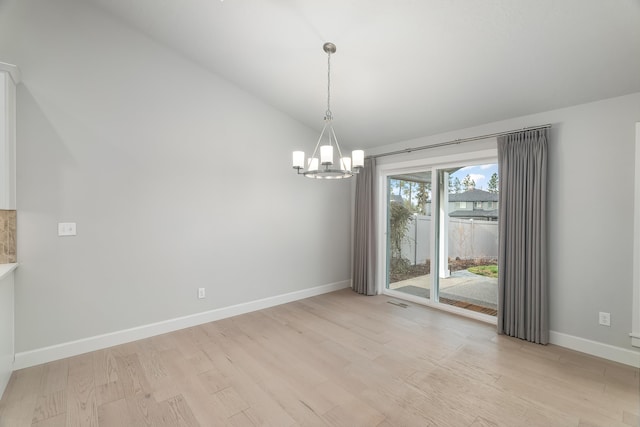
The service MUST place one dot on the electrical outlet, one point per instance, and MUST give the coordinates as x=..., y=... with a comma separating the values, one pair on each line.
x=604, y=318
x=201, y=293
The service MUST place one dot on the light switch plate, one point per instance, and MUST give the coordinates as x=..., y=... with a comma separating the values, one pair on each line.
x=66, y=229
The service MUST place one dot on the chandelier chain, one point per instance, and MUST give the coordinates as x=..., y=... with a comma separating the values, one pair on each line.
x=328, y=115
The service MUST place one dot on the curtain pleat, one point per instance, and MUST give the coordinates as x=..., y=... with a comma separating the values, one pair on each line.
x=522, y=260
x=363, y=277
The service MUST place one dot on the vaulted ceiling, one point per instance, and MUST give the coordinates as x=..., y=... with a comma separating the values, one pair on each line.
x=406, y=68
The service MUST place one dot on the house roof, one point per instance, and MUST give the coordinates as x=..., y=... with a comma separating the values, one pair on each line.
x=474, y=214
x=396, y=198
x=474, y=196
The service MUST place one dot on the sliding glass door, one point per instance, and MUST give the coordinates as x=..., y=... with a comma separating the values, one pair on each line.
x=442, y=235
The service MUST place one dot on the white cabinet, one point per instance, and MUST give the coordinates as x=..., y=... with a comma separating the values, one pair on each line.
x=635, y=322
x=6, y=324
x=9, y=77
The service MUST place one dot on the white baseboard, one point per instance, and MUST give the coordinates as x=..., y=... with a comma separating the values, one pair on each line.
x=594, y=348
x=635, y=339
x=73, y=348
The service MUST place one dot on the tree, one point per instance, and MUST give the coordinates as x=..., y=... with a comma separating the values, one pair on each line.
x=398, y=227
x=468, y=183
x=397, y=187
x=408, y=193
x=492, y=186
x=456, y=185
x=422, y=196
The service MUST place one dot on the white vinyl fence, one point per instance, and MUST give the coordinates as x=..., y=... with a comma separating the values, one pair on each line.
x=468, y=238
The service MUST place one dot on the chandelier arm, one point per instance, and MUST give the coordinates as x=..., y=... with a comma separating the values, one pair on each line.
x=315, y=150
x=335, y=138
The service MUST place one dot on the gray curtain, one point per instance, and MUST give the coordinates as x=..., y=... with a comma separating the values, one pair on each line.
x=363, y=278
x=522, y=262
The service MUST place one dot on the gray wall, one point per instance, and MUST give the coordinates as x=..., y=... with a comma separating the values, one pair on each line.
x=591, y=172
x=160, y=163
x=172, y=174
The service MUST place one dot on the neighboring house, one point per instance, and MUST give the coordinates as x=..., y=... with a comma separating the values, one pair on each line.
x=474, y=204
x=396, y=198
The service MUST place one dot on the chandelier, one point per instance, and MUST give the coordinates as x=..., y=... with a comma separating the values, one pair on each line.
x=324, y=167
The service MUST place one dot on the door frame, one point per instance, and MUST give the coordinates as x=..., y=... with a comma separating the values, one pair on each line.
x=432, y=164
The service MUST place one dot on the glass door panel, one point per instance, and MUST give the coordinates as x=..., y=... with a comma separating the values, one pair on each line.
x=468, y=231
x=409, y=233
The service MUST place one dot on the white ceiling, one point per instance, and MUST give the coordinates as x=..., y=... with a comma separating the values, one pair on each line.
x=405, y=68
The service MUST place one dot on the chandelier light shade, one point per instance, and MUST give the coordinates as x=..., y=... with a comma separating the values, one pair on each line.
x=321, y=164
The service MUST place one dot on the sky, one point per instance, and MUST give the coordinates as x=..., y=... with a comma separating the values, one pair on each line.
x=480, y=174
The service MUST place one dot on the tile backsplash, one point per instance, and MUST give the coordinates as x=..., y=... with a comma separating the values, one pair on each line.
x=7, y=237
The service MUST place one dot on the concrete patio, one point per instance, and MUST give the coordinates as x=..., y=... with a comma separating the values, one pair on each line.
x=462, y=285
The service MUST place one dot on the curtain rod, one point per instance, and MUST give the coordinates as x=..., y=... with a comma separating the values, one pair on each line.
x=458, y=141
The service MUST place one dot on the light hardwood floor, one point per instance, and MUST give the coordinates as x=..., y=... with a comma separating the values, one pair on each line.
x=338, y=359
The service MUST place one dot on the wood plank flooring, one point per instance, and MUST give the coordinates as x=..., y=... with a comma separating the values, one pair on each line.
x=338, y=359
